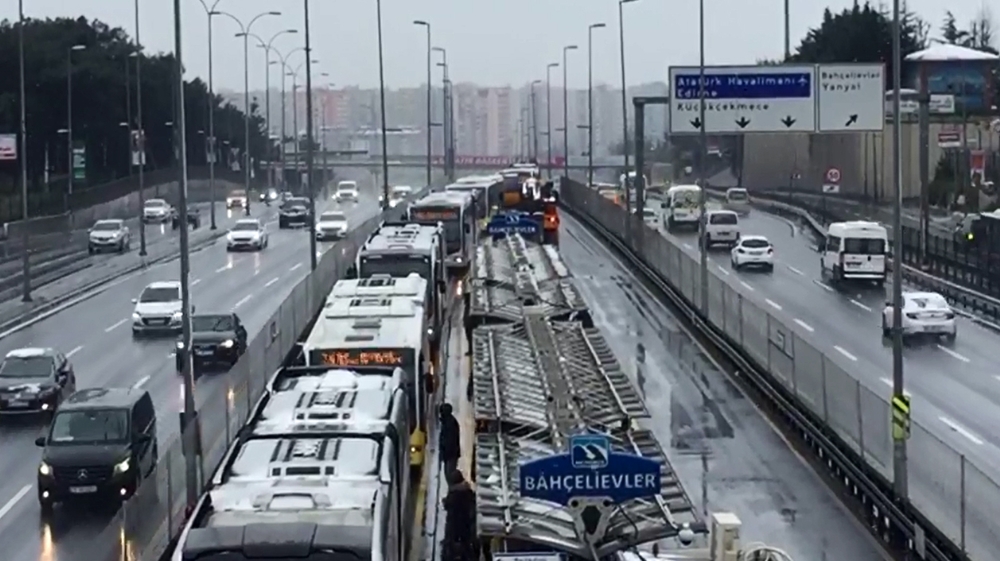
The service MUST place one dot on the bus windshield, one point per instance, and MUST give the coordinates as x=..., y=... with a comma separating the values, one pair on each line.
x=685, y=199
x=450, y=216
x=398, y=265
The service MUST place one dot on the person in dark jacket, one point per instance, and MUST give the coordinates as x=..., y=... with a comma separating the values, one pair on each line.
x=460, y=521
x=449, y=439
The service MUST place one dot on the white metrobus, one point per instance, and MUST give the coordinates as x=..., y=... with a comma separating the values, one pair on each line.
x=855, y=251
x=683, y=207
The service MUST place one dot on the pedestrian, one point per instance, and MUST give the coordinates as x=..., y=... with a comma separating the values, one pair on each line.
x=460, y=507
x=449, y=438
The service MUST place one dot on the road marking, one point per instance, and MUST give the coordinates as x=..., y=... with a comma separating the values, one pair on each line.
x=222, y=268
x=860, y=305
x=804, y=325
x=721, y=270
x=824, y=286
x=195, y=281
x=270, y=282
x=74, y=351
x=297, y=265
x=796, y=271
x=888, y=382
x=687, y=245
x=845, y=353
x=772, y=303
x=114, y=326
x=243, y=300
x=953, y=353
x=961, y=430
x=142, y=382
x=746, y=286
x=9, y=505
x=256, y=272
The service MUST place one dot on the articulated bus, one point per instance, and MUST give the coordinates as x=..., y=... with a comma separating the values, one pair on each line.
x=456, y=213
x=484, y=190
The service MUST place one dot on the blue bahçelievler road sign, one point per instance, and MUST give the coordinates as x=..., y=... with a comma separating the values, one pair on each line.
x=513, y=223
x=591, y=469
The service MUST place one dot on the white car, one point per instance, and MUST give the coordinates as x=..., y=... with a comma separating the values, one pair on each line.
x=247, y=233
x=722, y=227
x=108, y=235
x=346, y=191
x=651, y=217
x=752, y=251
x=332, y=225
x=236, y=199
x=158, y=309
x=156, y=211
x=924, y=313
x=398, y=194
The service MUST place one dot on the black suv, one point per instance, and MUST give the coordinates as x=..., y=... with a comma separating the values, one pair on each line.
x=101, y=445
x=194, y=219
x=34, y=380
x=293, y=212
x=217, y=340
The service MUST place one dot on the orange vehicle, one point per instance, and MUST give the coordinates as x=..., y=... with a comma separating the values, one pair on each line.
x=534, y=197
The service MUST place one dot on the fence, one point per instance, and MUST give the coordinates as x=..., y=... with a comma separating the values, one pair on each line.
x=143, y=528
x=954, y=493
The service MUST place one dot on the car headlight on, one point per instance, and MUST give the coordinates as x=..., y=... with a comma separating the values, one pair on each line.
x=136, y=316
x=123, y=466
x=180, y=345
x=176, y=317
x=227, y=344
x=44, y=469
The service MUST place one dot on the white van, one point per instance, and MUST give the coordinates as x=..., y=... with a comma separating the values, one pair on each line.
x=738, y=200
x=855, y=250
x=683, y=207
x=722, y=227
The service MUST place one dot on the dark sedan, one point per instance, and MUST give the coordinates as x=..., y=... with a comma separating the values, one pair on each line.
x=194, y=219
x=34, y=380
x=217, y=340
x=293, y=212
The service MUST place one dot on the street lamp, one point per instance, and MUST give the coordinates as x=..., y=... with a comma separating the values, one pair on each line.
x=621, y=39
x=447, y=123
x=210, y=146
x=295, y=105
x=25, y=262
x=703, y=138
x=429, y=115
x=590, y=100
x=565, y=127
x=283, y=62
x=310, y=139
x=548, y=115
x=69, y=112
x=268, y=48
x=533, y=118
x=245, y=34
x=381, y=96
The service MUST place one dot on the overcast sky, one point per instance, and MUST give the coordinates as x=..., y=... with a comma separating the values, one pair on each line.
x=490, y=42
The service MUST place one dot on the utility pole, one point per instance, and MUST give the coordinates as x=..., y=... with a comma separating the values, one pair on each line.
x=548, y=116
x=590, y=101
x=430, y=122
x=566, y=49
x=703, y=149
x=381, y=96
x=25, y=239
x=310, y=140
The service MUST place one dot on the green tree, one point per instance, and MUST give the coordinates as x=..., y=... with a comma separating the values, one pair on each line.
x=103, y=76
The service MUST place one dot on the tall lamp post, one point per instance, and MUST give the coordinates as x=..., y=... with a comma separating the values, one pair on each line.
x=310, y=140
x=590, y=100
x=285, y=70
x=565, y=127
x=210, y=150
x=25, y=262
x=69, y=114
x=245, y=35
x=445, y=118
x=621, y=41
x=430, y=116
x=534, y=118
x=548, y=115
x=703, y=149
x=268, y=47
x=139, y=150
x=381, y=97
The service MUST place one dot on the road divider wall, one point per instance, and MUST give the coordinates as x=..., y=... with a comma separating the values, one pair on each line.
x=845, y=423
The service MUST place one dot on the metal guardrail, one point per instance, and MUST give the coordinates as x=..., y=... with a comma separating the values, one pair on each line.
x=143, y=529
x=846, y=424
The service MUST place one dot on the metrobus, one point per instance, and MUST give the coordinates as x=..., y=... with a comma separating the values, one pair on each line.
x=455, y=211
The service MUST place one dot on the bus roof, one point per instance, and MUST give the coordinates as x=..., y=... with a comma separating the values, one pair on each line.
x=402, y=238
x=412, y=286
x=369, y=323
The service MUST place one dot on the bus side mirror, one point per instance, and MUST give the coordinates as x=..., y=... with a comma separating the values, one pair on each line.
x=352, y=272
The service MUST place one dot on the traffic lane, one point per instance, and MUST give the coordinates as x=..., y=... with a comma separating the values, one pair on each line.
x=726, y=453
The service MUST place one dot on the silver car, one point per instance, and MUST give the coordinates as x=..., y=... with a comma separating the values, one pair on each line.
x=108, y=235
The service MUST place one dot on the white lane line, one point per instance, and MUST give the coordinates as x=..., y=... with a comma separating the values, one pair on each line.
x=796, y=271
x=222, y=269
x=297, y=265
x=9, y=505
x=746, y=286
x=804, y=325
x=888, y=382
x=953, y=353
x=721, y=270
x=142, y=382
x=243, y=300
x=256, y=272
x=687, y=245
x=845, y=353
x=195, y=281
x=74, y=351
x=860, y=305
x=823, y=285
x=961, y=430
x=772, y=303
x=270, y=282
x=115, y=325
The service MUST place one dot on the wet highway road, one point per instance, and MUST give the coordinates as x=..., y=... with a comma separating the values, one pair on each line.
x=728, y=456
x=955, y=390
x=96, y=335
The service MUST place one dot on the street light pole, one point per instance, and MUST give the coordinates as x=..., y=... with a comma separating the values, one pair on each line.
x=430, y=117
x=285, y=72
x=548, y=116
x=590, y=101
x=69, y=115
x=310, y=139
x=900, y=479
x=702, y=178
x=625, y=147
x=566, y=49
x=25, y=254
x=140, y=134
x=268, y=47
x=210, y=143
x=381, y=95
x=445, y=115
x=534, y=117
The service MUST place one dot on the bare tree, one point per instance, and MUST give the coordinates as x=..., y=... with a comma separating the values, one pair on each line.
x=981, y=30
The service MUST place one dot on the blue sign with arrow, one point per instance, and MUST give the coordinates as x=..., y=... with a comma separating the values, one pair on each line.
x=590, y=469
x=513, y=223
x=787, y=85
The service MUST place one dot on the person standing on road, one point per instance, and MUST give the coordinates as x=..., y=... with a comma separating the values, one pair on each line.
x=460, y=522
x=449, y=439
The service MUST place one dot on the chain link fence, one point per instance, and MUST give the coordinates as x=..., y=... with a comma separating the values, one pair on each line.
x=955, y=493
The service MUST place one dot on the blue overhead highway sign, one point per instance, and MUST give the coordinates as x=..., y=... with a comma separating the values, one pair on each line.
x=590, y=469
x=513, y=223
x=766, y=85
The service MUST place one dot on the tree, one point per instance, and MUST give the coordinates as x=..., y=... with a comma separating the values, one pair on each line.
x=103, y=76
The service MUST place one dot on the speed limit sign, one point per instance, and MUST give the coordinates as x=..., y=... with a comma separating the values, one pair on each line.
x=833, y=175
